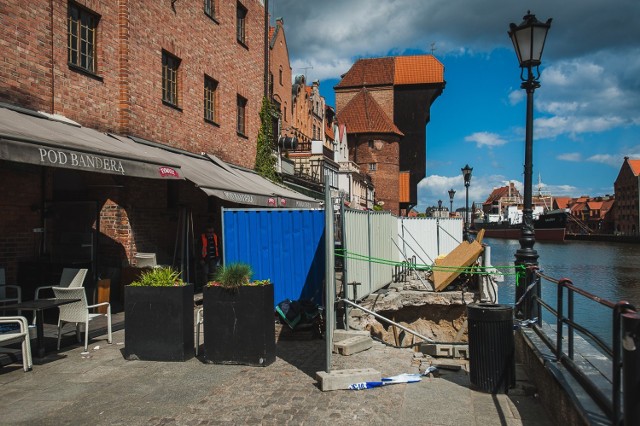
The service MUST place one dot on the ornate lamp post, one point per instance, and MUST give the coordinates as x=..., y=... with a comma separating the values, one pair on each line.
x=528, y=41
x=452, y=192
x=439, y=207
x=466, y=174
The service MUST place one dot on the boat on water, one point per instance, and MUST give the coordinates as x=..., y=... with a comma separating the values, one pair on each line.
x=549, y=226
x=501, y=216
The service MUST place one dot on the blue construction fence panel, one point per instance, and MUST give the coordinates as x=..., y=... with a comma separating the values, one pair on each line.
x=283, y=245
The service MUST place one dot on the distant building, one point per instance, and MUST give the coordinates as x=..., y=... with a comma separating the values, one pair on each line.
x=627, y=193
x=385, y=104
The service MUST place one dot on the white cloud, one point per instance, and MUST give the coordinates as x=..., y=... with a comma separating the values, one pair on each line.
x=485, y=139
x=610, y=160
x=570, y=156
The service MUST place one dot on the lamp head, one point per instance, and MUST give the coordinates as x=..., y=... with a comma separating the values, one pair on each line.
x=528, y=40
x=452, y=192
x=466, y=174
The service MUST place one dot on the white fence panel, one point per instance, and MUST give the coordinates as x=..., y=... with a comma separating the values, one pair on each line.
x=368, y=235
x=427, y=238
x=385, y=238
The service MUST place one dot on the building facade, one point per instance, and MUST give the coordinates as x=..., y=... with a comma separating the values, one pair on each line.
x=627, y=194
x=187, y=76
x=385, y=103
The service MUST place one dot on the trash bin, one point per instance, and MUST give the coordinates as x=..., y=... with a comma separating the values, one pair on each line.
x=491, y=347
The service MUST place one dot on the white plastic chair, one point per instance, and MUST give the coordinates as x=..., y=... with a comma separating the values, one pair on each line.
x=199, y=321
x=70, y=277
x=19, y=336
x=78, y=312
x=3, y=290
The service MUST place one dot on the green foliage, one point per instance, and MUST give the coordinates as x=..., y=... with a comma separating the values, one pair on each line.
x=159, y=277
x=234, y=275
x=377, y=208
x=265, y=158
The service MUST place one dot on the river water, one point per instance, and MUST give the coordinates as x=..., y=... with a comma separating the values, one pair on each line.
x=607, y=270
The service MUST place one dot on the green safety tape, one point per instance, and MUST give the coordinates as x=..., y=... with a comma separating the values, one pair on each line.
x=519, y=270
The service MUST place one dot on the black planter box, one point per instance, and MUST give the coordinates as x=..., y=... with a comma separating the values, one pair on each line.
x=158, y=323
x=239, y=325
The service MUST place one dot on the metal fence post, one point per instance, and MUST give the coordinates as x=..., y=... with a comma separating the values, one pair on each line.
x=631, y=367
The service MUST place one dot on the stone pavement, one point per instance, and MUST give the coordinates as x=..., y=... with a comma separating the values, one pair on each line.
x=103, y=388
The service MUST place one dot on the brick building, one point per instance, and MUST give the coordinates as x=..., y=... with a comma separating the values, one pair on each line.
x=106, y=109
x=627, y=194
x=385, y=103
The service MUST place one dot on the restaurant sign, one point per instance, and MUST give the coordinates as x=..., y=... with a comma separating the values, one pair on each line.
x=86, y=161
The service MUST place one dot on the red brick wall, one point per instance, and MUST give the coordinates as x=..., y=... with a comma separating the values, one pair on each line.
x=386, y=177
x=25, y=42
x=125, y=95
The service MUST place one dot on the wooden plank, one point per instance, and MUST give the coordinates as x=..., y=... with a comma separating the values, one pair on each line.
x=450, y=267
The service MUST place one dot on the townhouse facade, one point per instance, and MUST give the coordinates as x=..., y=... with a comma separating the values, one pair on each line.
x=627, y=195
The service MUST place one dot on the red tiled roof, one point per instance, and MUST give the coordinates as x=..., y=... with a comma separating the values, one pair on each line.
x=594, y=205
x=501, y=192
x=394, y=70
x=369, y=72
x=364, y=115
x=418, y=69
x=562, y=202
x=635, y=166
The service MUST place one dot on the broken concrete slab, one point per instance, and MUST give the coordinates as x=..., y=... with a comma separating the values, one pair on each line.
x=341, y=379
x=353, y=345
x=340, y=335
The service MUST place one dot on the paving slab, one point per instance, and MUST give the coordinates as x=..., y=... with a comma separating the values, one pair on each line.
x=103, y=388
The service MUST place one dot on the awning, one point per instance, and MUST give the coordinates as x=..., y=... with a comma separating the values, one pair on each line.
x=222, y=180
x=34, y=138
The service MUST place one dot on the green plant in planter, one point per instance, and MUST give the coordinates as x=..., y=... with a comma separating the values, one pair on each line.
x=235, y=275
x=159, y=277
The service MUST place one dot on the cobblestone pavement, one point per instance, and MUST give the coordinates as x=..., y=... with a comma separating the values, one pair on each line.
x=103, y=388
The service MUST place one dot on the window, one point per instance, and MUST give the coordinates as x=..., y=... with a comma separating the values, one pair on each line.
x=241, y=18
x=210, y=8
x=280, y=75
x=242, y=106
x=373, y=167
x=210, y=99
x=82, y=38
x=270, y=84
x=170, y=66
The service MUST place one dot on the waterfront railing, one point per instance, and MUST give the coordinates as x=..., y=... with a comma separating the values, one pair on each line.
x=623, y=351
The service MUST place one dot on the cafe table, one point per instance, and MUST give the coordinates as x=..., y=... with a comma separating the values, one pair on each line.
x=39, y=306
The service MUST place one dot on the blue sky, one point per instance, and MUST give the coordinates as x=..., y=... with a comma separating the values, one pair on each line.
x=587, y=110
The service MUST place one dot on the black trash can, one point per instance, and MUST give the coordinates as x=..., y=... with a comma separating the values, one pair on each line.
x=491, y=347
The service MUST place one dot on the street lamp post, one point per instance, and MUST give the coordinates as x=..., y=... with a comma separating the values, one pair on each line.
x=466, y=174
x=528, y=41
x=452, y=192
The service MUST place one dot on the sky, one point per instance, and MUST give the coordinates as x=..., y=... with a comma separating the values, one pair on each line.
x=586, y=111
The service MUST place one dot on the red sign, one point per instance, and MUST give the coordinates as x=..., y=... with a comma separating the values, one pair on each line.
x=168, y=171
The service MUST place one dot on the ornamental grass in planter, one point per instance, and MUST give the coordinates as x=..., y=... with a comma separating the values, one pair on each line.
x=159, y=317
x=239, y=322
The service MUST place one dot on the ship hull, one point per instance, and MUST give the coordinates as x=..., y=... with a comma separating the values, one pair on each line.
x=549, y=227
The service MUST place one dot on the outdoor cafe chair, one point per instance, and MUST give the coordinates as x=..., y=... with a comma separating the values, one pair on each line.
x=19, y=335
x=16, y=291
x=78, y=313
x=71, y=277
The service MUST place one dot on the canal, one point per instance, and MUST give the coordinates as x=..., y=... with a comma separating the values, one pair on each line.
x=608, y=270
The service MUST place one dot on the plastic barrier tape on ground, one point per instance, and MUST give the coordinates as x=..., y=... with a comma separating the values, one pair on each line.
x=400, y=378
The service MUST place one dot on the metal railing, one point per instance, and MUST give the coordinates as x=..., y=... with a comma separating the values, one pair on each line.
x=402, y=270
x=624, y=351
